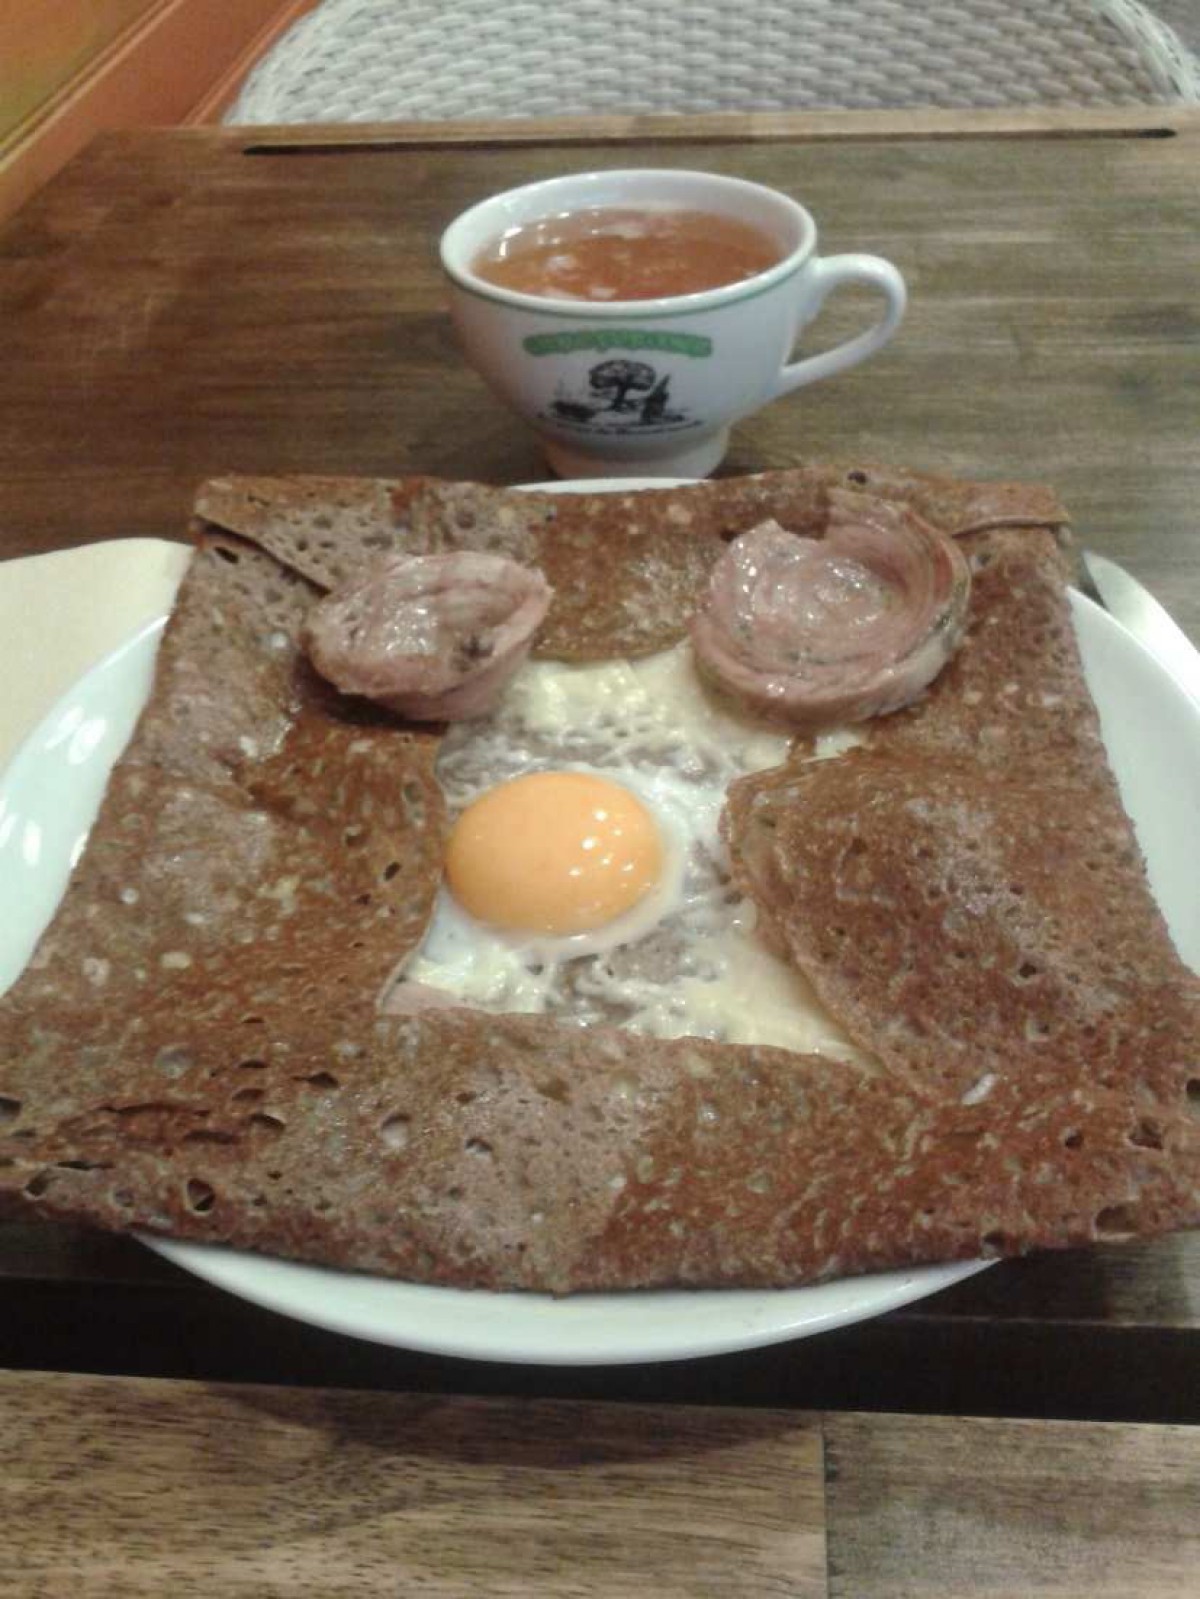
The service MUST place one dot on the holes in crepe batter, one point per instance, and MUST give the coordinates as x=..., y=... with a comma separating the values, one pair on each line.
x=321, y=1080
x=1147, y=1134
x=252, y=1020
x=858, y=477
x=225, y=554
x=173, y=1060
x=1192, y=1095
x=354, y=835
x=395, y=1130
x=362, y=899
x=389, y=871
x=252, y=1063
x=10, y=1109
x=247, y=1096
x=199, y=1196
x=1027, y=971
x=478, y=1146
x=39, y=1184
x=1073, y=1139
x=993, y=1242
x=263, y=1121
x=1116, y=1221
x=414, y=804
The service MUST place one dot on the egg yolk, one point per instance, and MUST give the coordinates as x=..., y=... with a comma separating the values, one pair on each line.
x=554, y=852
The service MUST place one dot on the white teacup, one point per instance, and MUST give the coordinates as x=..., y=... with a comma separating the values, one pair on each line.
x=715, y=357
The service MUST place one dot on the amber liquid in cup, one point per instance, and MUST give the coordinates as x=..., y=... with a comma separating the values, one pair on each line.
x=622, y=253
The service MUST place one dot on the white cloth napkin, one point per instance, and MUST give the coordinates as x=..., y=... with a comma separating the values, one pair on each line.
x=61, y=613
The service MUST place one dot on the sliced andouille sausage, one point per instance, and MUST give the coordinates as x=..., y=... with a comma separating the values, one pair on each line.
x=822, y=632
x=434, y=638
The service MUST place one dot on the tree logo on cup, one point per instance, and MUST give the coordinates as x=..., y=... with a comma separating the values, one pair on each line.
x=620, y=397
x=618, y=378
x=620, y=394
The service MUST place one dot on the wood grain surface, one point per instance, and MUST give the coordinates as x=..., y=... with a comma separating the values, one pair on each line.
x=927, y=1507
x=841, y=127
x=189, y=1490
x=178, y=304
x=135, y=1487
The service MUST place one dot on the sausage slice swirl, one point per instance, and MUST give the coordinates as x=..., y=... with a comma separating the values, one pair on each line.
x=435, y=638
x=822, y=632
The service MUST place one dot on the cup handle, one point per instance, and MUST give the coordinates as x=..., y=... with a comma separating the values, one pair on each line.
x=828, y=273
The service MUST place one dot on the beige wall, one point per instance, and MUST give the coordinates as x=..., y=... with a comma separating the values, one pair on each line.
x=45, y=43
x=70, y=69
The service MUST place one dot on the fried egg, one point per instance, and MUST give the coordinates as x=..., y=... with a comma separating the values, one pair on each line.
x=586, y=877
x=562, y=854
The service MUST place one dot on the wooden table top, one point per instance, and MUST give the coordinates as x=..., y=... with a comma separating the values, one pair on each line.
x=197, y=1489
x=179, y=304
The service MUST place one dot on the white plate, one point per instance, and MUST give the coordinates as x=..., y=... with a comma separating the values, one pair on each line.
x=49, y=796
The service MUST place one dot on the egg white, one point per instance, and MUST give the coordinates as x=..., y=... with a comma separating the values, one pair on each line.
x=685, y=960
